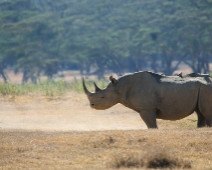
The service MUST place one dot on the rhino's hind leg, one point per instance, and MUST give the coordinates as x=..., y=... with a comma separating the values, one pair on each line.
x=204, y=120
x=201, y=119
x=209, y=122
x=149, y=117
x=204, y=103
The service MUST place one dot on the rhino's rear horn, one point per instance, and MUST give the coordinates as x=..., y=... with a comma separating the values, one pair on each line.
x=84, y=87
x=96, y=87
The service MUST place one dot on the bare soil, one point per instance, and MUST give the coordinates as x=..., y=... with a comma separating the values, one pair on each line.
x=63, y=132
x=66, y=113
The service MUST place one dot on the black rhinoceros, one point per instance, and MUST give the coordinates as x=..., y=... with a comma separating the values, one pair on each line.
x=156, y=96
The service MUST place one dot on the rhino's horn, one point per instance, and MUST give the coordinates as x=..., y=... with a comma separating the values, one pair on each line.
x=96, y=87
x=84, y=87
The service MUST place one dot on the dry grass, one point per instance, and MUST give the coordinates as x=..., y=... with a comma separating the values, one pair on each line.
x=175, y=145
x=180, y=148
x=153, y=159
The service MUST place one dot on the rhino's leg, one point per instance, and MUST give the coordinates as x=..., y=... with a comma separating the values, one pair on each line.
x=201, y=119
x=204, y=103
x=149, y=117
x=209, y=122
x=204, y=120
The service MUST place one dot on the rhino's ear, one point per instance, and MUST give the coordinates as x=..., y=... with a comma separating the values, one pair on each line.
x=112, y=79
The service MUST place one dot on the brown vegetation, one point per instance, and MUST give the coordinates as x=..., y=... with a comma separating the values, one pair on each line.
x=175, y=145
x=154, y=159
x=179, y=148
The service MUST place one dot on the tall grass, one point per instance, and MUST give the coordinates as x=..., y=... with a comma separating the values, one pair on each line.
x=47, y=88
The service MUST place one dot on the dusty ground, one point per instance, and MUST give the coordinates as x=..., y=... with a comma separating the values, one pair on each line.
x=67, y=113
x=38, y=132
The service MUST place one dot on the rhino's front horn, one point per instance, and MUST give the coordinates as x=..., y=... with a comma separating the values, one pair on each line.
x=84, y=87
x=96, y=87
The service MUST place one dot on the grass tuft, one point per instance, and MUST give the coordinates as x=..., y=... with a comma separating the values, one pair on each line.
x=153, y=160
x=128, y=160
x=164, y=160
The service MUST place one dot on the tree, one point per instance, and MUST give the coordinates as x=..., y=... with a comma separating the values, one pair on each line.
x=45, y=36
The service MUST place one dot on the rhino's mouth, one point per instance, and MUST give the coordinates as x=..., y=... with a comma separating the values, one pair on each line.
x=94, y=106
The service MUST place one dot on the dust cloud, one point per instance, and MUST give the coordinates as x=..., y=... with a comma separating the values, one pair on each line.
x=66, y=113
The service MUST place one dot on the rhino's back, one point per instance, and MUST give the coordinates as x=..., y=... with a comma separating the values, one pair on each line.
x=173, y=97
x=204, y=78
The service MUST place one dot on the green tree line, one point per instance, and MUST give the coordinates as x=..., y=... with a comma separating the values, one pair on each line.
x=42, y=37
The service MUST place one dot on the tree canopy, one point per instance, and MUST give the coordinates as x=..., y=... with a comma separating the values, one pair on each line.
x=45, y=36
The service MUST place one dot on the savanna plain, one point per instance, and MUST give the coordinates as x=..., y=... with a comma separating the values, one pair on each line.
x=61, y=131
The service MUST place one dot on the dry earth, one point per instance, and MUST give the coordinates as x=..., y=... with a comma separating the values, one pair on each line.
x=67, y=113
x=38, y=132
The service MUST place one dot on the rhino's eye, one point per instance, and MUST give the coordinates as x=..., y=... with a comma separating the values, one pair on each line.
x=102, y=97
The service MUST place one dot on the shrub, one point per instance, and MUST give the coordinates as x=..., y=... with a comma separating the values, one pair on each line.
x=164, y=160
x=153, y=160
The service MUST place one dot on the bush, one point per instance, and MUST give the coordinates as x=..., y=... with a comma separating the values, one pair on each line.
x=164, y=160
x=153, y=160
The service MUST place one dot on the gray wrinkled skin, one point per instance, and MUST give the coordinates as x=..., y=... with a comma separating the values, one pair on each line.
x=156, y=96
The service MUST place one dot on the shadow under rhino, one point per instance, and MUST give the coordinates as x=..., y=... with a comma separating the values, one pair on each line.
x=156, y=96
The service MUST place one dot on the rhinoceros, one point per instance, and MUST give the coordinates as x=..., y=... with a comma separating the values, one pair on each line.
x=156, y=96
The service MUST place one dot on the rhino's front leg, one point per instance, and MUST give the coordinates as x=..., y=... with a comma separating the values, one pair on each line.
x=149, y=117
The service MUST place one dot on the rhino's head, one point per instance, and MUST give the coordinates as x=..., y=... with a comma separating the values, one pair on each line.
x=102, y=99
